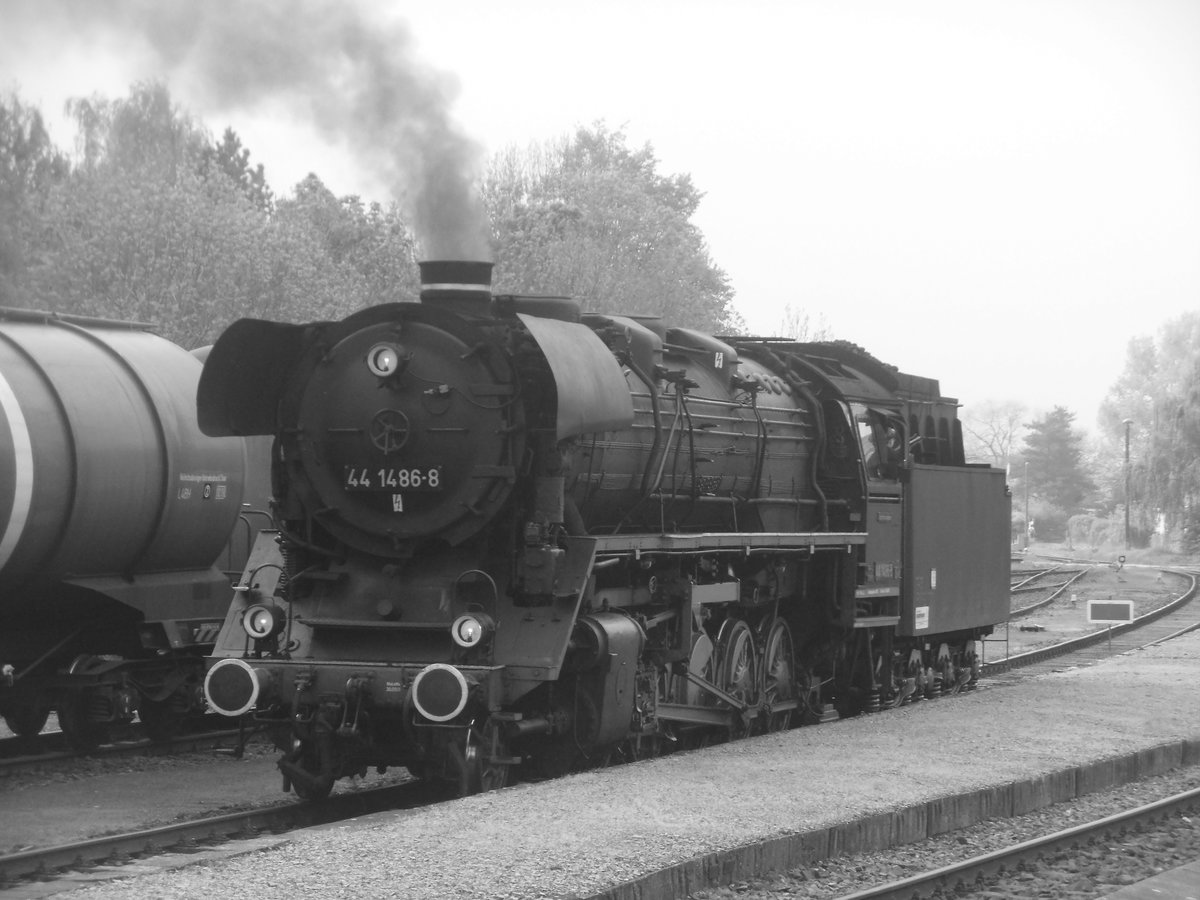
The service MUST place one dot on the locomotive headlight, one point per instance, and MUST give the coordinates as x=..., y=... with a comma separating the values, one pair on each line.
x=383, y=360
x=262, y=621
x=469, y=630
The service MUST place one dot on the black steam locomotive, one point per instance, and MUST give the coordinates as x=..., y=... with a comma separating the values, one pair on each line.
x=515, y=534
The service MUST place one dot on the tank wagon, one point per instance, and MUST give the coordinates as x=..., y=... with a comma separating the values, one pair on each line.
x=115, y=511
x=515, y=535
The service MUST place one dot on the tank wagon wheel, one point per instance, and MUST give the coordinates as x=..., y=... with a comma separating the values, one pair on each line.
x=27, y=720
x=779, y=674
x=80, y=731
x=737, y=671
x=162, y=719
x=82, y=734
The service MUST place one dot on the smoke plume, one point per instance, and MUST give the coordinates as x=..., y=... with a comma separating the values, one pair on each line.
x=354, y=75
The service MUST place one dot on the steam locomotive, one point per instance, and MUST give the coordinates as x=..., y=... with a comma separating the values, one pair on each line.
x=115, y=513
x=515, y=535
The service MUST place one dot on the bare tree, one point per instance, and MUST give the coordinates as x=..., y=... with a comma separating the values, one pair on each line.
x=798, y=324
x=990, y=430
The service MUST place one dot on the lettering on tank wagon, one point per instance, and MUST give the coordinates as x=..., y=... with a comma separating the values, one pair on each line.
x=211, y=485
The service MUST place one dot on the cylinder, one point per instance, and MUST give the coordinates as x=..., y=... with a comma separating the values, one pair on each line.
x=103, y=470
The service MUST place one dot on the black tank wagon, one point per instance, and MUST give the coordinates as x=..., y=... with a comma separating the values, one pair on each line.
x=512, y=534
x=115, y=513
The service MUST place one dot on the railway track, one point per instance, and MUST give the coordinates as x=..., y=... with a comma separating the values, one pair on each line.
x=1055, y=589
x=963, y=878
x=1026, y=579
x=1172, y=619
x=1176, y=617
x=50, y=749
x=197, y=834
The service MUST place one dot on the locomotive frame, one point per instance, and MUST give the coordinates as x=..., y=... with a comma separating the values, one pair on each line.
x=640, y=537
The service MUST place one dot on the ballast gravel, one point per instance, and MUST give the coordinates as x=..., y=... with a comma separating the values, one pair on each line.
x=1087, y=873
x=579, y=835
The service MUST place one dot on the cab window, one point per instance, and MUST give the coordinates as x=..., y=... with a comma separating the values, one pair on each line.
x=881, y=442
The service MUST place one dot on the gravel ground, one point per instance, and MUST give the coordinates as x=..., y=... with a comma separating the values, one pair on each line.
x=582, y=834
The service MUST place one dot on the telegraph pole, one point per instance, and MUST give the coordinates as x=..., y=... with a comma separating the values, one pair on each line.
x=1026, y=479
x=1128, y=422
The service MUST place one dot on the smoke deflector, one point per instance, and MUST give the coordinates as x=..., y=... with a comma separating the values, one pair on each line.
x=592, y=393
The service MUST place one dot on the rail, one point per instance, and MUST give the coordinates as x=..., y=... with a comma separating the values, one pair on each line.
x=1044, y=653
x=949, y=879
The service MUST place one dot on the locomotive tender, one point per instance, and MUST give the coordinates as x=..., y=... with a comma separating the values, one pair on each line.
x=514, y=534
x=114, y=511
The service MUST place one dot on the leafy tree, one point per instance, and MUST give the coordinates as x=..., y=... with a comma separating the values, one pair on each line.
x=138, y=232
x=589, y=217
x=183, y=254
x=1157, y=393
x=1168, y=474
x=159, y=225
x=233, y=159
x=367, y=254
x=30, y=168
x=1054, y=454
x=146, y=133
x=30, y=164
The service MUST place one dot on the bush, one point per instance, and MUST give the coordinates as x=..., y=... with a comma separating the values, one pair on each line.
x=1049, y=522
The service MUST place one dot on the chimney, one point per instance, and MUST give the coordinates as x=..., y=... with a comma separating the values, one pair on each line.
x=464, y=286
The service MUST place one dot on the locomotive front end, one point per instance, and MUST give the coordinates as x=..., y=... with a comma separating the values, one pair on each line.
x=384, y=611
x=398, y=435
x=408, y=433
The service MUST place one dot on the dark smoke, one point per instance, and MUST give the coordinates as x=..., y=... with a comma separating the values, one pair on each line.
x=354, y=75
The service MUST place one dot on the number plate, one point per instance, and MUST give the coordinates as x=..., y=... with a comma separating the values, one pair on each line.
x=392, y=479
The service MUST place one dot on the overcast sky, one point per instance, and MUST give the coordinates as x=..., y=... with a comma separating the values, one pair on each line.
x=995, y=194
